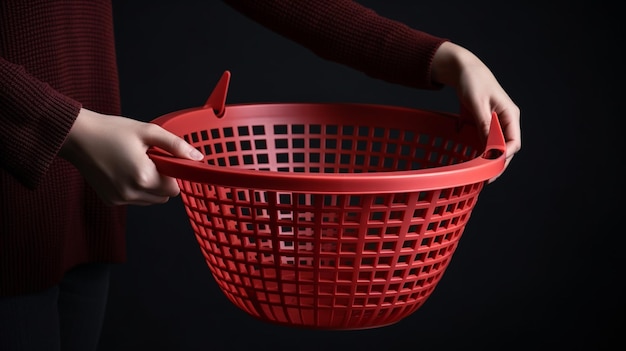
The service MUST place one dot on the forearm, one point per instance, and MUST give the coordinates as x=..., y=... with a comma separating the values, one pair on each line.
x=348, y=33
x=34, y=122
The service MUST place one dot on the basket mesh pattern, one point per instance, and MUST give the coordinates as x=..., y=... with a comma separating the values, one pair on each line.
x=317, y=148
x=324, y=260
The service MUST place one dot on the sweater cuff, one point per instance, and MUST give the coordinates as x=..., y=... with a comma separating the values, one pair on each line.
x=409, y=56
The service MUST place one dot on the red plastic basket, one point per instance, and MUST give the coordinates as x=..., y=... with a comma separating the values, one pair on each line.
x=328, y=216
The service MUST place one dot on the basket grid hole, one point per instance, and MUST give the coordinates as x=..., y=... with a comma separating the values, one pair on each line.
x=401, y=198
x=438, y=210
x=392, y=231
x=389, y=246
x=260, y=144
x=258, y=130
x=396, y=215
x=352, y=217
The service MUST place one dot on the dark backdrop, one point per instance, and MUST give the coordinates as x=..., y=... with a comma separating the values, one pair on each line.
x=539, y=265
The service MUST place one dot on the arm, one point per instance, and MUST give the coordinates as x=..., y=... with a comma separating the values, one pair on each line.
x=348, y=33
x=34, y=121
x=38, y=124
x=345, y=32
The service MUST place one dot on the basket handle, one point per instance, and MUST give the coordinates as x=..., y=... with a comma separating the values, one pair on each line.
x=496, y=144
x=217, y=99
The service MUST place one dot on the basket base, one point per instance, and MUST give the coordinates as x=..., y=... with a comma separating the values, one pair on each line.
x=325, y=315
x=327, y=328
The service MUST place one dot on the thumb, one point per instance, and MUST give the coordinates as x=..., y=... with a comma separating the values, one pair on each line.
x=161, y=138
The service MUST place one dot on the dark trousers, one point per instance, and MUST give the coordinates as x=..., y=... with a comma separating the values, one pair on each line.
x=65, y=317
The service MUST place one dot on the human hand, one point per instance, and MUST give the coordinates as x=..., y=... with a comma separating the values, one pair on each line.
x=479, y=92
x=110, y=152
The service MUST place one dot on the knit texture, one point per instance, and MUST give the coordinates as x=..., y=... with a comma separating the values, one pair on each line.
x=58, y=56
x=347, y=33
x=55, y=57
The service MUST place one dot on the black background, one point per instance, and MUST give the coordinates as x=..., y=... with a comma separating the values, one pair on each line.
x=539, y=265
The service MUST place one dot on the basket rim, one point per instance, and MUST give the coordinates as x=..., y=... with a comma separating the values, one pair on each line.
x=488, y=164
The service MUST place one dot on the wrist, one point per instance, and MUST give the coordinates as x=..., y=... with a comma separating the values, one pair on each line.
x=71, y=149
x=449, y=62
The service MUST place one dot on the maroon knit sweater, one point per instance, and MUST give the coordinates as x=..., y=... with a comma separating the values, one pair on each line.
x=59, y=56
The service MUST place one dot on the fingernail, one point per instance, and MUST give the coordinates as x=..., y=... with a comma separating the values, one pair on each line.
x=196, y=155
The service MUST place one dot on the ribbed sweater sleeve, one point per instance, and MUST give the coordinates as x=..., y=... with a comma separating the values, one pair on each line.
x=348, y=33
x=34, y=122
